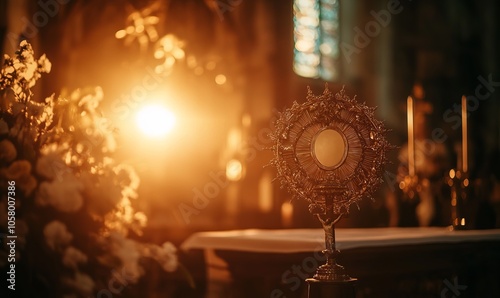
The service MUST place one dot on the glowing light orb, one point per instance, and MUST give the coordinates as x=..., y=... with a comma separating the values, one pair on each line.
x=155, y=120
x=234, y=170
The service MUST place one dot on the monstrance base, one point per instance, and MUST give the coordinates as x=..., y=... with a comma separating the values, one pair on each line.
x=331, y=272
x=331, y=289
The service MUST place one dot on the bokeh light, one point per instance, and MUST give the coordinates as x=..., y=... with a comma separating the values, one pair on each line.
x=155, y=120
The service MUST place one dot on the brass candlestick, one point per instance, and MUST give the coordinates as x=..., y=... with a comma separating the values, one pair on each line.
x=458, y=182
x=410, y=185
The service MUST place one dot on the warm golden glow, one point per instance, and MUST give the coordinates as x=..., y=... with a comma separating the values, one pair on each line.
x=220, y=79
x=411, y=138
x=155, y=120
x=120, y=34
x=287, y=214
x=246, y=120
x=234, y=170
x=234, y=140
x=401, y=185
x=265, y=201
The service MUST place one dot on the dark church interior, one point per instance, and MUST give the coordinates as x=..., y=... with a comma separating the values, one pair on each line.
x=173, y=148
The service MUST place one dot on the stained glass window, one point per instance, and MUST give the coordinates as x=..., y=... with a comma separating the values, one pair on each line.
x=316, y=37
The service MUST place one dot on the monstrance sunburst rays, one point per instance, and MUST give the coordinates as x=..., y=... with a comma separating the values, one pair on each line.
x=365, y=154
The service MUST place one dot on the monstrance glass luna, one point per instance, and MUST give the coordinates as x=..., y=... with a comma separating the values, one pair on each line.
x=330, y=151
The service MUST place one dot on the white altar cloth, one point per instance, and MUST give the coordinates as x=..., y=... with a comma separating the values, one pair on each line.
x=306, y=240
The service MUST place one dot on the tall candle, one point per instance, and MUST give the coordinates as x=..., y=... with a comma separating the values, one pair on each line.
x=465, y=164
x=411, y=138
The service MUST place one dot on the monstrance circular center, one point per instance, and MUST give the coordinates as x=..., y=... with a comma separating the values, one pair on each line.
x=329, y=148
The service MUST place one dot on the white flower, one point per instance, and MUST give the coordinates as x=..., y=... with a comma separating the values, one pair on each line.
x=169, y=257
x=73, y=256
x=20, y=171
x=50, y=165
x=8, y=69
x=141, y=219
x=24, y=43
x=90, y=100
x=56, y=234
x=81, y=282
x=170, y=49
x=44, y=63
x=165, y=255
x=128, y=179
x=64, y=194
x=103, y=193
x=41, y=112
x=4, y=128
x=104, y=130
x=7, y=151
x=128, y=252
x=17, y=108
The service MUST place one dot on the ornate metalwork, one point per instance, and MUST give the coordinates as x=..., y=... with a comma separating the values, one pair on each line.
x=458, y=182
x=330, y=189
x=360, y=172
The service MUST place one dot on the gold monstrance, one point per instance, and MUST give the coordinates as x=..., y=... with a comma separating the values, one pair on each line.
x=330, y=151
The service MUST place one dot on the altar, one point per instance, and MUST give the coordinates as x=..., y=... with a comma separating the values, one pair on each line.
x=388, y=262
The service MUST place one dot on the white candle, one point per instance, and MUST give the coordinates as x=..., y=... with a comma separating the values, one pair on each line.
x=465, y=165
x=411, y=139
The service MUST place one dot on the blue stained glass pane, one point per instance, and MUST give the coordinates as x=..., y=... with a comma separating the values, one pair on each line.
x=316, y=37
x=307, y=38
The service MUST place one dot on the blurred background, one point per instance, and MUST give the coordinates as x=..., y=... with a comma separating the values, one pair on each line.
x=212, y=74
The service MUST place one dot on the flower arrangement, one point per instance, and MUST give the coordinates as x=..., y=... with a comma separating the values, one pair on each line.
x=68, y=203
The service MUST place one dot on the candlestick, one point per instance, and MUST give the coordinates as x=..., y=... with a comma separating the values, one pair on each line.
x=465, y=164
x=411, y=139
